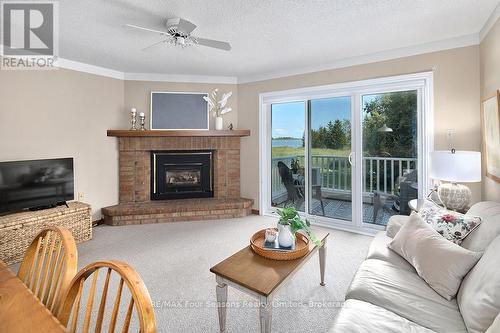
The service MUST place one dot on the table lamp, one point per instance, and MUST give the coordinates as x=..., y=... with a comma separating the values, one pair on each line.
x=455, y=166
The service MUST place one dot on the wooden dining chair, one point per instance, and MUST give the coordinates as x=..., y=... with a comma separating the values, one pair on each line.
x=128, y=277
x=49, y=265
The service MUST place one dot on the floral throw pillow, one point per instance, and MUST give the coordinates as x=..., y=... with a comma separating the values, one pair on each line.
x=451, y=225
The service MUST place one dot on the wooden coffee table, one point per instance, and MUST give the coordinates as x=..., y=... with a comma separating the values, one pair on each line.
x=261, y=278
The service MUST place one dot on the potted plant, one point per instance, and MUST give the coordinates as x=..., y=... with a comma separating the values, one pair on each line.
x=289, y=223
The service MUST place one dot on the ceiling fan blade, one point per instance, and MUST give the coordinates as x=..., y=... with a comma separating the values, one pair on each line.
x=182, y=25
x=213, y=43
x=147, y=29
x=186, y=26
x=154, y=44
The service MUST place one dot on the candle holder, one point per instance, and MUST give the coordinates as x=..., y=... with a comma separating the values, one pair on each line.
x=142, y=116
x=133, y=116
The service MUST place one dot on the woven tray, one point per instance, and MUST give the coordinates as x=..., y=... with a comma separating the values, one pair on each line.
x=301, y=247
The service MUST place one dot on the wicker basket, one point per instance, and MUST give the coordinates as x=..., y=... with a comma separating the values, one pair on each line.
x=18, y=230
x=301, y=247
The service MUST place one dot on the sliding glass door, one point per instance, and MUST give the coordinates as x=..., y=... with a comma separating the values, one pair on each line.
x=310, y=157
x=330, y=191
x=312, y=152
x=390, y=154
x=351, y=156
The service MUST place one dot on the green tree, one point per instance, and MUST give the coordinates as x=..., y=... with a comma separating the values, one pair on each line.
x=337, y=137
x=319, y=137
x=346, y=126
x=399, y=111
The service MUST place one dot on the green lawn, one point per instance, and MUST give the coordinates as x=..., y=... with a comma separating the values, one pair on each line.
x=299, y=151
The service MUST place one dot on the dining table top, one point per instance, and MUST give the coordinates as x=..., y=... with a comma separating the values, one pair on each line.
x=20, y=310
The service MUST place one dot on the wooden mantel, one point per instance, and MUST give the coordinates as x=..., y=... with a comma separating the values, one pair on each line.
x=179, y=133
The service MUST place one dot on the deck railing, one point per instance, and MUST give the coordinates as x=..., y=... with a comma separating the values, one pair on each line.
x=334, y=173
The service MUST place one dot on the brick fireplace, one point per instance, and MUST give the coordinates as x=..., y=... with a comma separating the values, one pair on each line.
x=138, y=202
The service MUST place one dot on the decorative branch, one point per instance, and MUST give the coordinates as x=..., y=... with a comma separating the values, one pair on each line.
x=216, y=105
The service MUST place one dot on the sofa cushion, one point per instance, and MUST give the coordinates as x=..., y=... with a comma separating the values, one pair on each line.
x=360, y=317
x=394, y=224
x=403, y=292
x=442, y=264
x=479, y=295
x=379, y=250
x=479, y=239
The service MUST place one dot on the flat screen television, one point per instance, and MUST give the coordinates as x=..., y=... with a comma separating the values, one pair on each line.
x=35, y=184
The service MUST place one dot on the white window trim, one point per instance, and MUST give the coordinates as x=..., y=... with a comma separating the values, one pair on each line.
x=424, y=82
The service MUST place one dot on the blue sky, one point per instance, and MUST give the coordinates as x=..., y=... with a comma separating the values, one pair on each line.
x=288, y=118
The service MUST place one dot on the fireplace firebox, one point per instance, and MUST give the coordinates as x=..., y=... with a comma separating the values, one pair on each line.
x=181, y=174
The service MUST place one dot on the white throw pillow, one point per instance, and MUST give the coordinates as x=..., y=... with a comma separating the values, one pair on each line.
x=441, y=263
x=394, y=224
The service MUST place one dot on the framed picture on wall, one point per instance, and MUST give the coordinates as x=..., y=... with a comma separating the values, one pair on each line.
x=491, y=136
x=179, y=111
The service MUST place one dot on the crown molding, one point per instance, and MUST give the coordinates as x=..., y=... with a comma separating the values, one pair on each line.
x=102, y=71
x=490, y=22
x=180, y=78
x=452, y=43
x=86, y=68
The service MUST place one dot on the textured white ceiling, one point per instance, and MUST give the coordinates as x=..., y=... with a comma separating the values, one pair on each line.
x=266, y=36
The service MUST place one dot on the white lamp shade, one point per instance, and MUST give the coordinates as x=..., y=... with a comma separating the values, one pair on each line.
x=460, y=166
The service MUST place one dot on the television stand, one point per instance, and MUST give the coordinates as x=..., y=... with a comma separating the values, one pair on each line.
x=20, y=228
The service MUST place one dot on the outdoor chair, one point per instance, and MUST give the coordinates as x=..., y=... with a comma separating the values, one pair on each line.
x=295, y=188
x=398, y=202
x=293, y=193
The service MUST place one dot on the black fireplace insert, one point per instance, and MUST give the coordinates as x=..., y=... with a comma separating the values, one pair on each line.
x=181, y=174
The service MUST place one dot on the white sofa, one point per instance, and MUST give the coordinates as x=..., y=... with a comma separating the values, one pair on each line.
x=387, y=295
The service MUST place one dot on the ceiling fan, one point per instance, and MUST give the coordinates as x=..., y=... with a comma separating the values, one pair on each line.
x=178, y=33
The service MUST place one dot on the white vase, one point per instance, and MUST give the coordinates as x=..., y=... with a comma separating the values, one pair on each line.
x=285, y=236
x=219, y=123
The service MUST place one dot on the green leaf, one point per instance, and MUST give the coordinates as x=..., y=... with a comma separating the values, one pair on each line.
x=290, y=216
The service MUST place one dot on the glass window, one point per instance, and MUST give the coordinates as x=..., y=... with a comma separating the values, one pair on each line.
x=288, y=155
x=330, y=133
x=389, y=154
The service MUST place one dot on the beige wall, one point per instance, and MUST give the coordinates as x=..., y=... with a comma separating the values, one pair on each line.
x=62, y=113
x=456, y=100
x=490, y=82
x=137, y=94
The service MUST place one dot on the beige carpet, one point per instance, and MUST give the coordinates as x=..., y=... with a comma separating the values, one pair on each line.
x=174, y=261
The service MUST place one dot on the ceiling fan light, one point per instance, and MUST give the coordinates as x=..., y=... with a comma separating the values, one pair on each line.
x=178, y=33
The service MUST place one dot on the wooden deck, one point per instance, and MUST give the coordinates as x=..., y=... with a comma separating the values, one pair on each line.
x=340, y=209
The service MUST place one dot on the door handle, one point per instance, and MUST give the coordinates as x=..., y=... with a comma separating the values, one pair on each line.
x=350, y=158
